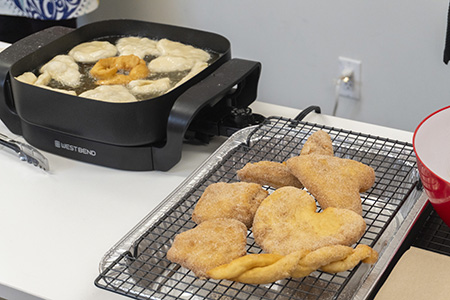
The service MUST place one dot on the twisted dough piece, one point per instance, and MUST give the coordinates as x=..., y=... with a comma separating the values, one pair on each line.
x=361, y=253
x=267, y=268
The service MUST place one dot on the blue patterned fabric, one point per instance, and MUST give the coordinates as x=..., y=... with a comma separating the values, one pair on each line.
x=47, y=9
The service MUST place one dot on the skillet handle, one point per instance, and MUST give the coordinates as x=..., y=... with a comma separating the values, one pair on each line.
x=235, y=73
x=8, y=58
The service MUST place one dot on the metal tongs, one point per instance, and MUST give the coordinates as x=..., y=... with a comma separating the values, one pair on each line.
x=25, y=152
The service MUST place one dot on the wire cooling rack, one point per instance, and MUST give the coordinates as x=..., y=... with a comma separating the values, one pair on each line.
x=434, y=235
x=138, y=268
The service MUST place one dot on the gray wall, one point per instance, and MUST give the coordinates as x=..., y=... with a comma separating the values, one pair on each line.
x=400, y=44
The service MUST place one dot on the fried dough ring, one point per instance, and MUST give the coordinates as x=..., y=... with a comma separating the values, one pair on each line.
x=267, y=268
x=107, y=70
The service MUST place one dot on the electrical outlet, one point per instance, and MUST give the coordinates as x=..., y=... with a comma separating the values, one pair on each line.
x=350, y=75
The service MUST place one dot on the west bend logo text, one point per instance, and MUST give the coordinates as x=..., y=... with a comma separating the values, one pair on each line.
x=74, y=148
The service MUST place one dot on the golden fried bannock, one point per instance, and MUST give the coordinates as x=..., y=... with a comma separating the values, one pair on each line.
x=266, y=268
x=287, y=221
x=270, y=173
x=212, y=243
x=275, y=174
x=238, y=200
x=318, y=143
x=333, y=181
x=362, y=253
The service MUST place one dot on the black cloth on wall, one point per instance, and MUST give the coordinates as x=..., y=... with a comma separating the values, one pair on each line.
x=14, y=28
x=447, y=40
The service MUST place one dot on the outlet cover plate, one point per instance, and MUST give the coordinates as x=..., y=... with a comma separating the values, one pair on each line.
x=352, y=88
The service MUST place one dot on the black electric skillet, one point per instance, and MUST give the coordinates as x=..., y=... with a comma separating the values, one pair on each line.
x=143, y=135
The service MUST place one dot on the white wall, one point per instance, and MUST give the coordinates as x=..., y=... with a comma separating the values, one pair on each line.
x=298, y=42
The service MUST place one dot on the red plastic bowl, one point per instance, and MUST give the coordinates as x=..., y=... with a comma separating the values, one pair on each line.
x=431, y=143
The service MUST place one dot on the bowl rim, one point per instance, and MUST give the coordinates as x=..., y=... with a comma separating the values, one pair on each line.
x=414, y=142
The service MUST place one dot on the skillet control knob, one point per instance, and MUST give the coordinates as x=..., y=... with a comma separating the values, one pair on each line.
x=241, y=116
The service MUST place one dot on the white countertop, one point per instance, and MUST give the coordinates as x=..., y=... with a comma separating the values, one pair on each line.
x=55, y=227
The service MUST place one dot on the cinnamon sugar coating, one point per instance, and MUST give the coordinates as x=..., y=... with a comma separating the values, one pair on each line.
x=287, y=221
x=238, y=200
x=333, y=181
x=210, y=244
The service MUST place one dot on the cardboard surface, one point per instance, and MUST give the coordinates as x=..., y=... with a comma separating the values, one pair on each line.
x=419, y=274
